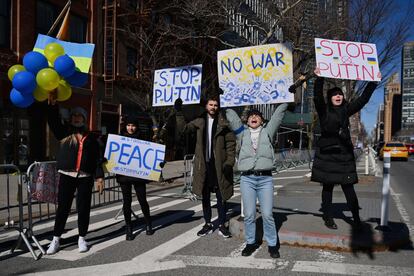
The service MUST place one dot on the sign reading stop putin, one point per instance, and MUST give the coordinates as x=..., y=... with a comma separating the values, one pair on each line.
x=347, y=60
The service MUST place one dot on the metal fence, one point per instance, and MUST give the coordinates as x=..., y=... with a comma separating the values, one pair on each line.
x=29, y=198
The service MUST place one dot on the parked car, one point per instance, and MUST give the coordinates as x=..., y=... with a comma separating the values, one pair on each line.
x=410, y=148
x=397, y=150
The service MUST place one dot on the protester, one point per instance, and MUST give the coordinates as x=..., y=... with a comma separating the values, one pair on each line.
x=79, y=161
x=255, y=162
x=213, y=163
x=126, y=183
x=334, y=162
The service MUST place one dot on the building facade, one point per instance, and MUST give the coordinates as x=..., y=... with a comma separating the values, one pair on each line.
x=392, y=107
x=407, y=86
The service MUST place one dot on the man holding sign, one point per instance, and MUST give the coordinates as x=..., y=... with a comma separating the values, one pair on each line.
x=334, y=162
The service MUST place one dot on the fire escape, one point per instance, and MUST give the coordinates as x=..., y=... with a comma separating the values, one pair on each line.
x=109, y=47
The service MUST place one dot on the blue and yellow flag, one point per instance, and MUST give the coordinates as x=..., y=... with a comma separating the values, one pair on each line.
x=81, y=53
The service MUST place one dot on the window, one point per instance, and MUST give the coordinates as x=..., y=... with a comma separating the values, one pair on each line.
x=133, y=4
x=5, y=24
x=77, y=29
x=131, y=61
x=46, y=14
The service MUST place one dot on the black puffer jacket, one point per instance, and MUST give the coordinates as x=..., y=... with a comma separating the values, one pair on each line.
x=334, y=161
x=91, y=160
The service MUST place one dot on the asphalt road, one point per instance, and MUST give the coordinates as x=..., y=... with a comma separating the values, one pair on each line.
x=175, y=249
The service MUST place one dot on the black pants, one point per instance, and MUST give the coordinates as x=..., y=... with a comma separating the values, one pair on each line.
x=351, y=199
x=141, y=191
x=210, y=186
x=67, y=187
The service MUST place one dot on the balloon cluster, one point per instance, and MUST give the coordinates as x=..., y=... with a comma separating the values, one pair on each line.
x=35, y=79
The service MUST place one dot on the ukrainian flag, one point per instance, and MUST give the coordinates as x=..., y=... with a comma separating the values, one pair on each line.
x=318, y=48
x=372, y=60
x=81, y=53
x=336, y=59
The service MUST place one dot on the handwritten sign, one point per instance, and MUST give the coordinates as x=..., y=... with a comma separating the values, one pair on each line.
x=255, y=75
x=173, y=83
x=347, y=60
x=133, y=157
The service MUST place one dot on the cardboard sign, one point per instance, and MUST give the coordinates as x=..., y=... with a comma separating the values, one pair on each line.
x=133, y=157
x=347, y=60
x=173, y=83
x=255, y=75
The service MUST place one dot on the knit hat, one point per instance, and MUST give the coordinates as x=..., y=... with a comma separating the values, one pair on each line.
x=131, y=120
x=81, y=111
x=333, y=92
x=255, y=112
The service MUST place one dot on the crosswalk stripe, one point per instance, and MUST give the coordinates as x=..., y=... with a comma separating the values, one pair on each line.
x=350, y=269
x=73, y=255
x=71, y=218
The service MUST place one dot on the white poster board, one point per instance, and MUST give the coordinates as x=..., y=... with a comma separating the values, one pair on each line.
x=255, y=75
x=347, y=60
x=133, y=157
x=173, y=83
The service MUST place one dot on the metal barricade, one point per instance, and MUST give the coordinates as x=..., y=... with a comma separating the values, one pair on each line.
x=25, y=233
x=188, y=177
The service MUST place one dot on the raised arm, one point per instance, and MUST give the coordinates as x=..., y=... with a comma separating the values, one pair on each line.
x=55, y=123
x=318, y=98
x=357, y=104
x=276, y=119
x=235, y=122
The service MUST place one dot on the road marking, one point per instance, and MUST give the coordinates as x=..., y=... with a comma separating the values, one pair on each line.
x=328, y=256
x=288, y=177
x=403, y=212
x=73, y=255
x=350, y=269
x=231, y=262
x=74, y=217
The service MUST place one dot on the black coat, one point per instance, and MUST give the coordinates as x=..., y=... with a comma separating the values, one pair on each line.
x=334, y=161
x=91, y=158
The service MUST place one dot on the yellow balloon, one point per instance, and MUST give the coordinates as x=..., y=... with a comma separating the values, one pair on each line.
x=40, y=94
x=48, y=79
x=53, y=50
x=64, y=91
x=14, y=70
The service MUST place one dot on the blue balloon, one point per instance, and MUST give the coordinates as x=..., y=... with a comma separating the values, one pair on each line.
x=34, y=62
x=77, y=79
x=64, y=65
x=25, y=82
x=21, y=100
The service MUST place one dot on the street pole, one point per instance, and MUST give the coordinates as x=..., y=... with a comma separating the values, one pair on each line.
x=385, y=193
x=301, y=117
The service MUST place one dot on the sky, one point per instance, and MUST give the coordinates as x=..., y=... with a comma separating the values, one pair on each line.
x=370, y=111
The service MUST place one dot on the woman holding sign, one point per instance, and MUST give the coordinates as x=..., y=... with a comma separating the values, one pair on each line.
x=126, y=183
x=79, y=161
x=334, y=161
x=255, y=163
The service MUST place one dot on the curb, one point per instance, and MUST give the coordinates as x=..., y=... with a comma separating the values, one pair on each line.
x=368, y=240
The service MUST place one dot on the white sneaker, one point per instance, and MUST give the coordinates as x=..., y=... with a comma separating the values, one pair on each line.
x=82, y=244
x=53, y=246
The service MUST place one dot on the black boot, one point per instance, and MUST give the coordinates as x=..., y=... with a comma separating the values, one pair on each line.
x=148, y=230
x=128, y=233
x=274, y=253
x=329, y=222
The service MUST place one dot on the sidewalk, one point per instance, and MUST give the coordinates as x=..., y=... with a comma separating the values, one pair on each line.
x=299, y=219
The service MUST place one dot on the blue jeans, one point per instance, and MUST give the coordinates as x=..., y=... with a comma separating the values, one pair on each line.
x=260, y=187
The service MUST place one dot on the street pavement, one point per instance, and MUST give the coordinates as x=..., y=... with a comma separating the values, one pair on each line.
x=175, y=249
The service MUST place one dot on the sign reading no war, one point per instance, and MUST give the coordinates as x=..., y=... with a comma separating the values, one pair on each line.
x=173, y=83
x=255, y=75
x=347, y=60
x=133, y=157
